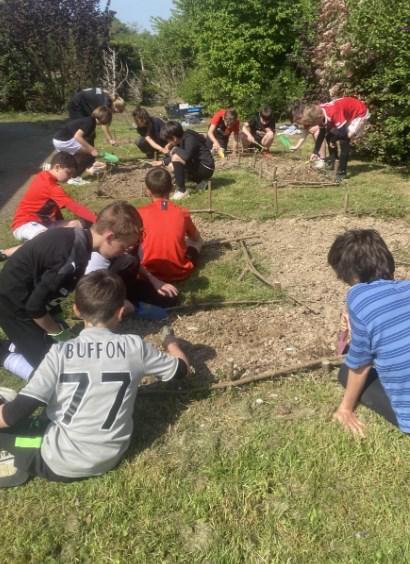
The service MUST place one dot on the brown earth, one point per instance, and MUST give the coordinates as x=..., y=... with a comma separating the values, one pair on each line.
x=250, y=340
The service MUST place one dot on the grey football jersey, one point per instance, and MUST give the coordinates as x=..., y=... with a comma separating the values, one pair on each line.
x=89, y=385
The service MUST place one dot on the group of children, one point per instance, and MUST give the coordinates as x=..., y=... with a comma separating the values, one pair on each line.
x=123, y=258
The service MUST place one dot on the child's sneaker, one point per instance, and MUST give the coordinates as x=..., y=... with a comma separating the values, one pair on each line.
x=203, y=185
x=7, y=467
x=7, y=394
x=46, y=166
x=340, y=178
x=179, y=195
x=3, y=256
x=78, y=181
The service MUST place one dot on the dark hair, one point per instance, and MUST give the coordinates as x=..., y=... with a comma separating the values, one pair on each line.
x=171, y=129
x=361, y=255
x=119, y=217
x=231, y=114
x=265, y=112
x=141, y=115
x=99, y=295
x=159, y=181
x=65, y=160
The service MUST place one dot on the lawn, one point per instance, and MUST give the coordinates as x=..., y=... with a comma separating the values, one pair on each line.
x=258, y=474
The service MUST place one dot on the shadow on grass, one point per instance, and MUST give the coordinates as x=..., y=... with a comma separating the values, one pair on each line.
x=364, y=167
x=160, y=405
x=23, y=148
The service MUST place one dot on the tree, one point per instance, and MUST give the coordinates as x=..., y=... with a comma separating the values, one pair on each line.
x=59, y=43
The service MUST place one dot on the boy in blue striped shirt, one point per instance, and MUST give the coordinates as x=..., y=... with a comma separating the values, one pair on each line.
x=377, y=366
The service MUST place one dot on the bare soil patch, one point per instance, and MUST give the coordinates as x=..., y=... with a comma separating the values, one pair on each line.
x=268, y=338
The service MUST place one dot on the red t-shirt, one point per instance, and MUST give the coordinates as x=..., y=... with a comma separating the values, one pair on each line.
x=163, y=246
x=43, y=200
x=218, y=120
x=343, y=110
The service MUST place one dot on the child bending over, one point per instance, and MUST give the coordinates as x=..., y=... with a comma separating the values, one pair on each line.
x=41, y=274
x=77, y=136
x=376, y=371
x=223, y=123
x=149, y=127
x=88, y=385
x=171, y=243
x=340, y=121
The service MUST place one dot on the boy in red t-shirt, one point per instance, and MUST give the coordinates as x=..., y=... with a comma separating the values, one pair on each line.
x=171, y=243
x=340, y=121
x=223, y=123
x=39, y=208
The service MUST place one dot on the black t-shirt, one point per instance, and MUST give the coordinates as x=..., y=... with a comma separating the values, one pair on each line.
x=258, y=128
x=153, y=130
x=45, y=270
x=67, y=132
x=194, y=149
x=83, y=103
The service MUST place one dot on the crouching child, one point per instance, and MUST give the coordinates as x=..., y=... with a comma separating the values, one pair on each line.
x=88, y=385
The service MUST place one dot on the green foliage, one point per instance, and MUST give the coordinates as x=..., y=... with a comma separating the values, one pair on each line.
x=48, y=49
x=380, y=73
x=242, y=52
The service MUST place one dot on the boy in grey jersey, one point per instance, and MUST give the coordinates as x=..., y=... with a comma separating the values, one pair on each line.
x=89, y=385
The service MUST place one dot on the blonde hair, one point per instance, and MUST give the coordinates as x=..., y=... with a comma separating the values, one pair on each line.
x=118, y=104
x=311, y=115
x=103, y=115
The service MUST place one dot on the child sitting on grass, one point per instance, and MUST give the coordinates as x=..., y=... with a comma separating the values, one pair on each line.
x=171, y=243
x=88, y=385
x=76, y=137
x=376, y=371
x=39, y=208
x=188, y=156
x=41, y=274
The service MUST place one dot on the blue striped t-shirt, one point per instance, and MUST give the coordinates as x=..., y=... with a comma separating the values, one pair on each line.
x=379, y=314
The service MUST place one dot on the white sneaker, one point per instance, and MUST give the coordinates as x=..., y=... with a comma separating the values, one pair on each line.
x=7, y=394
x=46, y=166
x=7, y=467
x=178, y=195
x=78, y=181
x=203, y=185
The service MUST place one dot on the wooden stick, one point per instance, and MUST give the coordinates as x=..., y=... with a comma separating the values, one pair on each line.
x=222, y=303
x=228, y=241
x=210, y=195
x=303, y=304
x=275, y=187
x=346, y=199
x=252, y=268
x=324, y=363
x=211, y=211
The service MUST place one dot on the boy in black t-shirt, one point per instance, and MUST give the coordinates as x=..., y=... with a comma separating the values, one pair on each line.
x=84, y=102
x=189, y=155
x=150, y=130
x=259, y=130
x=43, y=271
x=76, y=137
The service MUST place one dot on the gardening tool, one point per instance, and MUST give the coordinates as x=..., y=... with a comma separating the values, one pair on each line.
x=109, y=157
x=284, y=140
x=221, y=153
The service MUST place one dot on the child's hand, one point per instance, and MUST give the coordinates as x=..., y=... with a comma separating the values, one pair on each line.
x=349, y=421
x=166, y=289
x=113, y=142
x=94, y=153
x=314, y=157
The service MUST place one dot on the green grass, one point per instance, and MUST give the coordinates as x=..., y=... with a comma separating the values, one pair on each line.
x=220, y=478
